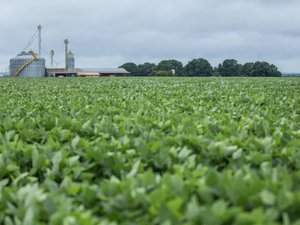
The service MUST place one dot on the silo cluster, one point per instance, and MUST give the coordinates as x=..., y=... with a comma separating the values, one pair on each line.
x=31, y=64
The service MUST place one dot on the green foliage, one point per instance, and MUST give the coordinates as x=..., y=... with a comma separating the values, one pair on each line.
x=247, y=69
x=129, y=151
x=264, y=69
x=229, y=67
x=198, y=67
x=169, y=65
x=146, y=69
x=259, y=69
x=163, y=73
x=131, y=67
x=201, y=67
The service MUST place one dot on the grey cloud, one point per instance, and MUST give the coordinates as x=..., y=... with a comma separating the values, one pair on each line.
x=109, y=33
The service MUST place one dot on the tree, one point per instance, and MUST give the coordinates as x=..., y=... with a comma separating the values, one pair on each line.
x=229, y=67
x=163, y=73
x=198, y=67
x=130, y=67
x=169, y=65
x=215, y=72
x=265, y=69
x=146, y=69
x=247, y=69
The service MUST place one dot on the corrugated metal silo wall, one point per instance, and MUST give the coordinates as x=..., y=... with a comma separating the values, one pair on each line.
x=36, y=68
x=71, y=62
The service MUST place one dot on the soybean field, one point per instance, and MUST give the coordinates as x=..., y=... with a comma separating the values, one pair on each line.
x=157, y=151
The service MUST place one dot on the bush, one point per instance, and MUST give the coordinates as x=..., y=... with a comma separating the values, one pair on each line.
x=163, y=73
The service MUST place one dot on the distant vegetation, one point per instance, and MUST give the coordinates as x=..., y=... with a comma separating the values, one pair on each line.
x=291, y=75
x=201, y=67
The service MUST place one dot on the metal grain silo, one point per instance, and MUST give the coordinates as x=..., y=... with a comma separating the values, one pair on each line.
x=71, y=60
x=27, y=64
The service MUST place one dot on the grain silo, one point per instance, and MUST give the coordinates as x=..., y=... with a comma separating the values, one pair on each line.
x=70, y=60
x=27, y=64
x=69, y=57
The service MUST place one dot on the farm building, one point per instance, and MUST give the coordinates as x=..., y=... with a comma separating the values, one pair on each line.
x=85, y=72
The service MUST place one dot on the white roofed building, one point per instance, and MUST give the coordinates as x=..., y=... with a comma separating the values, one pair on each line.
x=85, y=72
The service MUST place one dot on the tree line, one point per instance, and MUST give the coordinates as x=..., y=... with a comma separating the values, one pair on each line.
x=201, y=67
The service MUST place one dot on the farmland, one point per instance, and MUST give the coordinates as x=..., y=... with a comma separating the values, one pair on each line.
x=211, y=151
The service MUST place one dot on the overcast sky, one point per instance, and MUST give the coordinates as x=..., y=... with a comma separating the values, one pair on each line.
x=108, y=33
